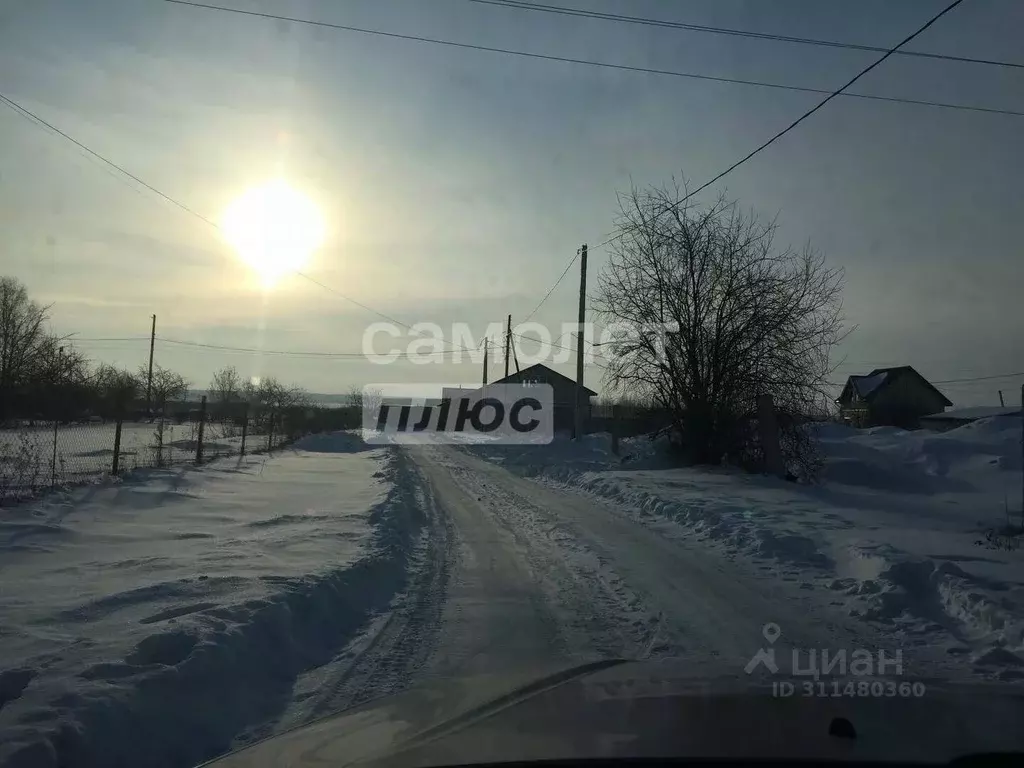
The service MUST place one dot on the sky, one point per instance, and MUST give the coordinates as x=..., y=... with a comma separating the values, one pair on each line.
x=455, y=185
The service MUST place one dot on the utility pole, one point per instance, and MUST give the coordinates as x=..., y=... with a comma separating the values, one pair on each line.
x=149, y=378
x=485, y=359
x=1001, y=403
x=578, y=410
x=56, y=419
x=508, y=342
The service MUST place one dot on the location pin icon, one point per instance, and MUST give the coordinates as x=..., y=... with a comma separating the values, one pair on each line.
x=771, y=632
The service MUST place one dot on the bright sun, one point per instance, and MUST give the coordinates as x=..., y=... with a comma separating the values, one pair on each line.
x=274, y=228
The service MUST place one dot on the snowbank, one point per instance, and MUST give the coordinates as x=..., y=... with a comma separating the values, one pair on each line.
x=891, y=533
x=332, y=442
x=150, y=623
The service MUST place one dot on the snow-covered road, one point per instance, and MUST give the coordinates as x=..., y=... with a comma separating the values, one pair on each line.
x=542, y=572
x=203, y=608
x=512, y=573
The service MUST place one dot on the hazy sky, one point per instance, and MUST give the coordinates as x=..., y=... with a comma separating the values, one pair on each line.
x=457, y=184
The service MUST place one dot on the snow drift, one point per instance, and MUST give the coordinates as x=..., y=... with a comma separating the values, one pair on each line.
x=149, y=624
x=891, y=532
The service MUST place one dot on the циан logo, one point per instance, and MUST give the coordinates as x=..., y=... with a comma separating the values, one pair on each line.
x=832, y=672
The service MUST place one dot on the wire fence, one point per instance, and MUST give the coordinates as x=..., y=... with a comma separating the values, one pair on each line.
x=39, y=454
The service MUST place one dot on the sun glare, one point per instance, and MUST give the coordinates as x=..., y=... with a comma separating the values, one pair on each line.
x=274, y=228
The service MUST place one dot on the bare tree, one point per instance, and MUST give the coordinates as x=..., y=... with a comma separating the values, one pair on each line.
x=226, y=385
x=273, y=402
x=167, y=385
x=22, y=335
x=58, y=362
x=225, y=390
x=117, y=388
x=269, y=394
x=712, y=315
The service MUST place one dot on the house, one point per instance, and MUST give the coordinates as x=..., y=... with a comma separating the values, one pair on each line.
x=940, y=422
x=564, y=392
x=897, y=397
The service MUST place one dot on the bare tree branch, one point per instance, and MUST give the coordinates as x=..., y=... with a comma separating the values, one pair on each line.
x=747, y=319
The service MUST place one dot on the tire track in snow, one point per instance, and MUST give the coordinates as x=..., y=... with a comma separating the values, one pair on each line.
x=714, y=606
x=592, y=610
x=496, y=615
x=386, y=656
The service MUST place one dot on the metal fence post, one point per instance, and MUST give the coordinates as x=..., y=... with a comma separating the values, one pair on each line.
x=116, y=464
x=53, y=459
x=202, y=423
x=615, y=430
x=245, y=426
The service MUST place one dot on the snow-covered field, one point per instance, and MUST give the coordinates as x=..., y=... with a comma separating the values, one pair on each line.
x=166, y=618
x=894, y=531
x=150, y=622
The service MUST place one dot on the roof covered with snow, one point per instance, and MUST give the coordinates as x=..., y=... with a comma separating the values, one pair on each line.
x=869, y=385
x=865, y=385
x=977, y=412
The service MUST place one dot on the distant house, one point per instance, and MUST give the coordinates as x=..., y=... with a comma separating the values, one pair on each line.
x=897, y=397
x=940, y=422
x=564, y=391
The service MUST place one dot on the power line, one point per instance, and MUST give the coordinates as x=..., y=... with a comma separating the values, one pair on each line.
x=20, y=112
x=616, y=17
x=590, y=62
x=963, y=380
x=981, y=378
x=124, y=172
x=796, y=122
x=295, y=353
x=552, y=289
x=24, y=112
x=556, y=345
x=73, y=338
x=111, y=164
x=274, y=352
x=356, y=355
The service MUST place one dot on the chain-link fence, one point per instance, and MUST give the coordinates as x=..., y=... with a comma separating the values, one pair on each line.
x=37, y=454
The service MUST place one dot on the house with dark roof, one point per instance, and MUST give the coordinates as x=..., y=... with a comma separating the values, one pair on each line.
x=564, y=390
x=897, y=397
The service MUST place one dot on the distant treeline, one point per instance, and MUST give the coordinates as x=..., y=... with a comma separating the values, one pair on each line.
x=43, y=377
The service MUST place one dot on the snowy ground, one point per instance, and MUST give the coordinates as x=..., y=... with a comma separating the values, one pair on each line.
x=181, y=604
x=165, y=619
x=893, y=534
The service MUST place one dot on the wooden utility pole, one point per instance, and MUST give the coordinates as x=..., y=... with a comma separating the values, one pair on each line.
x=149, y=378
x=578, y=410
x=56, y=418
x=485, y=359
x=1001, y=403
x=508, y=342
x=199, y=436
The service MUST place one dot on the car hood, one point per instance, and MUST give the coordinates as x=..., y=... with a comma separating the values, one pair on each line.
x=616, y=708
